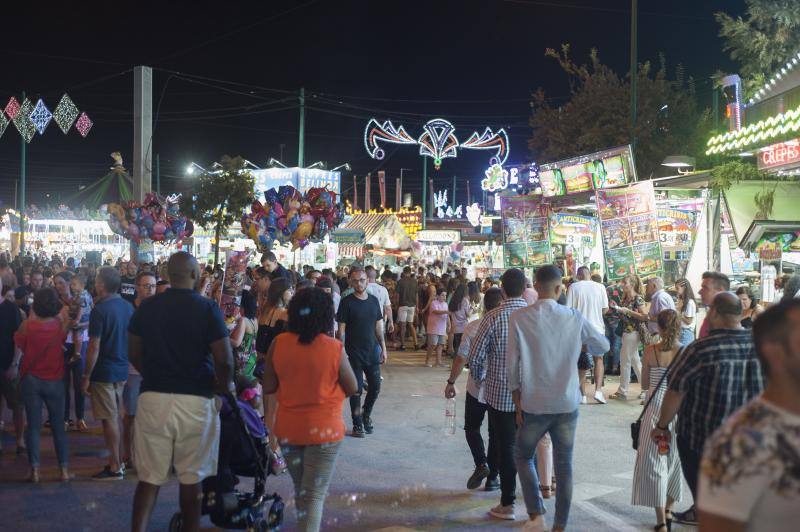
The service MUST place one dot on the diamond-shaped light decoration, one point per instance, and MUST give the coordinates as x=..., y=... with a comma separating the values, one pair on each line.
x=41, y=116
x=3, y=124
x=12, y=108
x=65, y=113
x=22, y=121
x=83, y=125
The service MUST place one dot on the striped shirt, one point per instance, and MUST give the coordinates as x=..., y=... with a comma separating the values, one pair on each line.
x=487, y=354
x=718, y=374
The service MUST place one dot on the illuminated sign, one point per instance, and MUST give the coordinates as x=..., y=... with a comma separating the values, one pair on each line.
x=302, y=179
x=605, y=169
x=433, y=235
x=779, y=155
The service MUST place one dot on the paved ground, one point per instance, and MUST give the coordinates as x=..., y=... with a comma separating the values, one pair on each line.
x=406, y=476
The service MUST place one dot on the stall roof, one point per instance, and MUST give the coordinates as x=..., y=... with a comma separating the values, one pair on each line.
x=758, y=228
x=375, y=226
x=740, y=199
x=692, y=180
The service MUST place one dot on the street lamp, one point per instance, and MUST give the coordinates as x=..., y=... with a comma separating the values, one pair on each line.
x=252, y=164
x=318, y=164
x=682, y=162
x=273, y=162
x=346, y=167
x=193, y=166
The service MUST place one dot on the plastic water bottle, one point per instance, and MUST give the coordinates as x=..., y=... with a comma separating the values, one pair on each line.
x=450, y=416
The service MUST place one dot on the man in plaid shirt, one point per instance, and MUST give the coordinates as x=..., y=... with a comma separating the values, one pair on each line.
x=487, y=362
x=710, y=380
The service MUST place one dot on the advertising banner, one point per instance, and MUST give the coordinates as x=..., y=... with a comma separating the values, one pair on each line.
x=629, y=227
x=677, y=227
x=572, y=229
x=526, y=234
x=609, y=168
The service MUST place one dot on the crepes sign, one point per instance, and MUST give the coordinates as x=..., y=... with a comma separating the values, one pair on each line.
x=629, y=227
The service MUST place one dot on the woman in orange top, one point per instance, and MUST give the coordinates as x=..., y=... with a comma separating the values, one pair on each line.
x=311, y=376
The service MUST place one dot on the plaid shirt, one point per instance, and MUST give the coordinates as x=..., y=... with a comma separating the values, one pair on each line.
x=718, y=374
x=487, y=354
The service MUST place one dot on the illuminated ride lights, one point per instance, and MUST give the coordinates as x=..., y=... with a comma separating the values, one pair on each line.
x=764, y=130
x=437, y=141
x=763, y=91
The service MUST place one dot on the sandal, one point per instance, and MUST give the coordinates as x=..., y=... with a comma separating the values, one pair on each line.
x=659, y=527
x=547, y=491
x=668, y=519
x=82, y=427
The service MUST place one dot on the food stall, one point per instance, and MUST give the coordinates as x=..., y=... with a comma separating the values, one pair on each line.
x=371, y=238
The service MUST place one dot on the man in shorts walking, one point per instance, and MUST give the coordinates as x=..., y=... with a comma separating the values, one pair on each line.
x=179, y=343
x=106, y=367
x=408, y=294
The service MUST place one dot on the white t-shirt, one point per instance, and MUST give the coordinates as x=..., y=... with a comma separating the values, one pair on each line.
x=589, y=298
x=473, y=388
x=749, y=470
x=381, y=294
x=690, y=312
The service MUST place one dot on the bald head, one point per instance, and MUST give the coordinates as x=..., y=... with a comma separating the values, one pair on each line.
x=583, y=273
x=726, y=311
x=183, y=270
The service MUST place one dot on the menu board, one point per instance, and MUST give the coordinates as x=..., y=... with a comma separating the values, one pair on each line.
x=629, y=227
x=599, y=170
x=677, y=228
x=572, y=229
x=526, y=241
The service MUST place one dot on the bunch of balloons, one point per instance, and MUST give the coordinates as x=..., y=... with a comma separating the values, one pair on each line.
x=291, y=217
x=156, y=219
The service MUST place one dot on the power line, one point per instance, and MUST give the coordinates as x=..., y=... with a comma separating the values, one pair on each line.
x=605, y=9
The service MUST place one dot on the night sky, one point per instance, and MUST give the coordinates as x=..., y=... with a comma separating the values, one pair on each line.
x=225, y=74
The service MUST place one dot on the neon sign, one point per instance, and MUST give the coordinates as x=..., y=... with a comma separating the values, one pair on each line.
x=780, y=154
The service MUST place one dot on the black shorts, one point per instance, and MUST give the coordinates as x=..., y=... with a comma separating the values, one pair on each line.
x=585, y=361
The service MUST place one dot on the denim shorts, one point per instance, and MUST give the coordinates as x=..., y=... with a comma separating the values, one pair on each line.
x=437, y=339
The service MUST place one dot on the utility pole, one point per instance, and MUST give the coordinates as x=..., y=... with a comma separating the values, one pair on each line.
x=301, y=158
x=454, y=193
x=634, y=70
x=142, y=131
x=158, y=175
x=424, y=190
x=23, y=170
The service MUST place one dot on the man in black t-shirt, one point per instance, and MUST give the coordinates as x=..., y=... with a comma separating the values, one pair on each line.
x=127, y=287
x=361, y=330
x=270, y=263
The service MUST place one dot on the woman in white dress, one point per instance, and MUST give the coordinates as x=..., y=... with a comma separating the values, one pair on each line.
x=657, y=477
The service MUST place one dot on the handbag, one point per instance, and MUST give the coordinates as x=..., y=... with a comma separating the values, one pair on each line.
x=636, y=425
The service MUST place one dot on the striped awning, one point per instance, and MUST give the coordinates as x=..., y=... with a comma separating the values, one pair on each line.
x=370, y=223
x=351, y=250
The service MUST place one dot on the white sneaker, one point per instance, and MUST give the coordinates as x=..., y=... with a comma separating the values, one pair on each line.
x=534, y=525
x=583, y=400
x=643, y=395
x=599, y=397
x=503, y=512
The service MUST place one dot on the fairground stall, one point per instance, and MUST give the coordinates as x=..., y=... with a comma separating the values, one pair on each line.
x=764, y=215
x=372, y=238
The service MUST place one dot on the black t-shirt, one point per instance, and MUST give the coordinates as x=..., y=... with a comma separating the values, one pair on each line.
x=359, y=317
x=127, y=288
x=177, y=328
x=343, y=284
x=10, y=320
x=280, y=271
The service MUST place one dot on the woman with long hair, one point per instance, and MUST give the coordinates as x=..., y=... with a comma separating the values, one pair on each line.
x=687, y=309
x=657, y=475
x=750, y=305
x=475, y=298
x=243, y=336
x=41, y=371
x=631, y=314
x=311, y=376
x=459, y=315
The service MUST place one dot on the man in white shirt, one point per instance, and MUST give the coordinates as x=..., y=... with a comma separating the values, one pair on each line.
x=749, y=473
x=591, y=300
x=382, y=295
x=541, y=375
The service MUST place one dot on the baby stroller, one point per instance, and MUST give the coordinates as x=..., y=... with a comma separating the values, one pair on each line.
x=243, y=450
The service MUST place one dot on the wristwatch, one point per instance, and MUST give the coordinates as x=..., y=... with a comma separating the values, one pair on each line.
x=659, y=427
x=451, y=383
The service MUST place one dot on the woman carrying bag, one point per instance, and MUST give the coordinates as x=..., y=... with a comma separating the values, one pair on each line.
x=41, y=338
x=657, y=475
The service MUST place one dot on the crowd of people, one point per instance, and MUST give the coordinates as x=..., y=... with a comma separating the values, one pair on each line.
x=149, y=345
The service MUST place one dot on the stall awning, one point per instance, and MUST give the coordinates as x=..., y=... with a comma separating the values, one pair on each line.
x=740, y=199
x=351, y=250
x=375, y=229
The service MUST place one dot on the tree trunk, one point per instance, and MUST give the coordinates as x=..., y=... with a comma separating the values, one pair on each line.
x=217, y=231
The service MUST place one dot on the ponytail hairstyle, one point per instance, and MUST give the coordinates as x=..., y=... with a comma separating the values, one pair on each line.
x=669, y=323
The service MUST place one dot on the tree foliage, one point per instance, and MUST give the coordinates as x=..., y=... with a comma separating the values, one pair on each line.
x=763, y=40
x=219, y=197
x=598, y=114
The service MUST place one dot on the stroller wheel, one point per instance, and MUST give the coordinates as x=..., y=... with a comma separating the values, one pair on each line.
x=176, y=523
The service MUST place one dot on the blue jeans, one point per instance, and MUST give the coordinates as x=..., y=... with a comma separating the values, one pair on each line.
x=562, y=433
x=611, y=359
x=687, y=336
x=73, y=374
x=36, y=391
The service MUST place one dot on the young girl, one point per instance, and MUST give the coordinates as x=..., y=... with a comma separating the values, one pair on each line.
x=438, y=324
